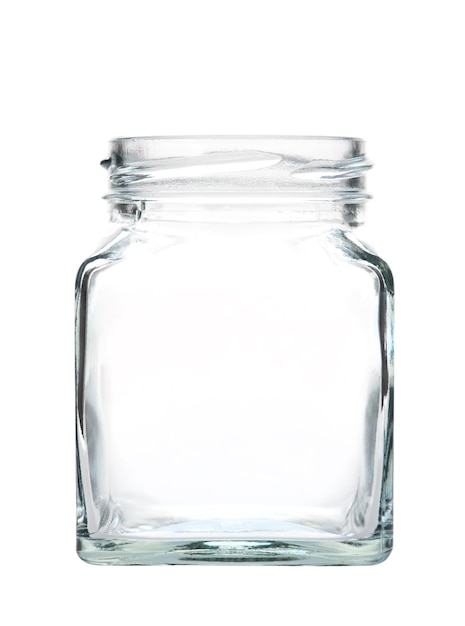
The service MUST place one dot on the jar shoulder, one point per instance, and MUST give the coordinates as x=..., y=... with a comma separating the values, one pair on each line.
x=341, y=246
x=111, y=249
x=348, y=247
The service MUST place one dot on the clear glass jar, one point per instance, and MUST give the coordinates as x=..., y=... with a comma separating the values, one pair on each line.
x=234, y=359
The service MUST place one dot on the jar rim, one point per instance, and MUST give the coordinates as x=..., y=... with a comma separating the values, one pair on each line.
x=149, y=147
x=245, y=136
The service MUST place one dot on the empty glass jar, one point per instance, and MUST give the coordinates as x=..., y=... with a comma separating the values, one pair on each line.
x=234, y=359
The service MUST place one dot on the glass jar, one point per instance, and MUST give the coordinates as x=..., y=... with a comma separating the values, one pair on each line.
x=234, y=359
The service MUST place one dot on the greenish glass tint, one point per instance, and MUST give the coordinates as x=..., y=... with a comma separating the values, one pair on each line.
x=234, y=359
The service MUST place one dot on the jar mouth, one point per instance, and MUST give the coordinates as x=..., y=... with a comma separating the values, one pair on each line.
x=234, y=138
x=317, y=168
x=127, y=150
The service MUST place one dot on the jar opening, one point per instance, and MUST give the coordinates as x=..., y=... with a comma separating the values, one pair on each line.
x=310, y=170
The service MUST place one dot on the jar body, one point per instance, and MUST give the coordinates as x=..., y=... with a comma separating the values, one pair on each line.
x=234, y=394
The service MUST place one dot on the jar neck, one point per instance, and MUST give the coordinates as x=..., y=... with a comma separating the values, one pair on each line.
x=238, y=178
x=230, y=210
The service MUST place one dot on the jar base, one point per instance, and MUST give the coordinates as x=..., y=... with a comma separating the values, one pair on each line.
x=234, y=552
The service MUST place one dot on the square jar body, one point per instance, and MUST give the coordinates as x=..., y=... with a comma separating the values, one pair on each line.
x=234, y=397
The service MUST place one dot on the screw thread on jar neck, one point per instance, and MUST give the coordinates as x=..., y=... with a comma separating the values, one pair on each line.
x=310, y=178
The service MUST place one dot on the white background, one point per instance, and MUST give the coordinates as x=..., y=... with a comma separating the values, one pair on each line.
x=77, y=74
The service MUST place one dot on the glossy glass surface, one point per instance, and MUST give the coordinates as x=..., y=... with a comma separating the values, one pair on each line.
x=234, y=378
